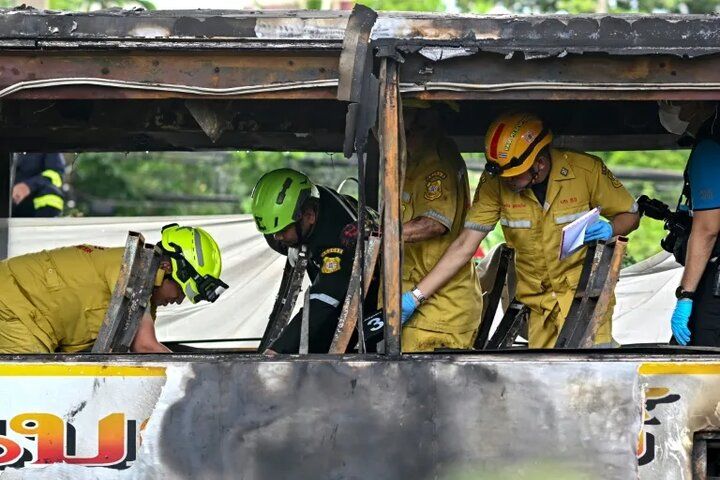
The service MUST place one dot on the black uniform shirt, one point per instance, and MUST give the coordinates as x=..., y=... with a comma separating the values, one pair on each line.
x=331, y=249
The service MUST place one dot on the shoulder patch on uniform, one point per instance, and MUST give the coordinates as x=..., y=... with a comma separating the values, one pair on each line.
x=606, y=171
x=330, y=264
x=433, y=185
x=337, y=251
x=437, y=174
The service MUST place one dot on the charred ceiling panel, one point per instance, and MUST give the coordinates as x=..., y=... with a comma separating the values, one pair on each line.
x=589, y=76
x=137, y=125
x=126, y=75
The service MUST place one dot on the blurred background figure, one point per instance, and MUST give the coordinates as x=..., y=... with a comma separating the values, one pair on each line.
x=37, y=191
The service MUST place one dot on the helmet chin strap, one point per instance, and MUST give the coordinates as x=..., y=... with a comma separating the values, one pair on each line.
x=298, y=232
x=535, y=172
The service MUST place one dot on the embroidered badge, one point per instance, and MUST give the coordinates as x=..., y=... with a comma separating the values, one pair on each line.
x=337, y=251
x=330, y=264
x=528, y=137
x=615, y=182
x=433, y=190
x=564, y=171
x=433, y=185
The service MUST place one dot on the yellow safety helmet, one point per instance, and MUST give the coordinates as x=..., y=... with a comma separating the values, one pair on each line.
x=513, y=141
x=196, y=261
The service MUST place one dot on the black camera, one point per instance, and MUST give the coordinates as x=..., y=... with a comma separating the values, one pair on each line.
x=678, y=225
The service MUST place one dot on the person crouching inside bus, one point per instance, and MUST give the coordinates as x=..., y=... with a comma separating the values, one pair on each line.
x=435, y=199
x=55, y=300
x=291, y=212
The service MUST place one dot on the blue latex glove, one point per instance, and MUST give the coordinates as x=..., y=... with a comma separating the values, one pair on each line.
x=408, y=307
x=679, y=321
x=600, y=230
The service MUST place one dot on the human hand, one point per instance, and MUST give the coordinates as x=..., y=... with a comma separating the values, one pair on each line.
x=600, y=230
x=20, y=192
x=680, y=319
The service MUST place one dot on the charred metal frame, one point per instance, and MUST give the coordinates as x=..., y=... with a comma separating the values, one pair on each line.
x=513, y=322
x=285, y=300
x=131, y=296
x=6, y=184
x=594, y=292
x=506, y=258
x=350, y=315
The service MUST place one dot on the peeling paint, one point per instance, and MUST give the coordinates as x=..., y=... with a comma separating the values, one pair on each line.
x=149, y=31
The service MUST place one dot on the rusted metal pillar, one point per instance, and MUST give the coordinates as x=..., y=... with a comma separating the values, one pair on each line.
x=391, y=184
x=603, y=302
x=6, y=181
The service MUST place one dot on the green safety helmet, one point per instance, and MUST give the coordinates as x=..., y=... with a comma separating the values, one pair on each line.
x=196, y=261
x=277, y=199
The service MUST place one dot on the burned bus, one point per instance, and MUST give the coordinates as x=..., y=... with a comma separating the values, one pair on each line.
x=229, y=80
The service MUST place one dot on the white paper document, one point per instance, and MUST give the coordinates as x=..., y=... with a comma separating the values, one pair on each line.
x=573, y=234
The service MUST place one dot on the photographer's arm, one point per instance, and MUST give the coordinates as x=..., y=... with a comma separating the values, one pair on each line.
x=704, y=233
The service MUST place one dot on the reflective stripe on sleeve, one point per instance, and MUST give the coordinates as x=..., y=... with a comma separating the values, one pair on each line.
x=322, y=297
x=54, y=177
x=515, y=223
x=50, y=200
x=478, y=227
x=435, y=215
x=570, y=217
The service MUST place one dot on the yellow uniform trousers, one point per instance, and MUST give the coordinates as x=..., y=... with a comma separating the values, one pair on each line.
x=416, y=339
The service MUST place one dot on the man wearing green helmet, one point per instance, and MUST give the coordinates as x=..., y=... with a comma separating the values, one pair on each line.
x=291, y=213
x=55, y=300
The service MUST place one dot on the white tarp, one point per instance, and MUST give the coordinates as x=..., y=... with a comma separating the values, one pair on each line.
x=645, y=300
x=645, y=292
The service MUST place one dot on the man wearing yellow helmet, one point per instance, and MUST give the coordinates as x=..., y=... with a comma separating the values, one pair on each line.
x=534, y=190
x=55, y=300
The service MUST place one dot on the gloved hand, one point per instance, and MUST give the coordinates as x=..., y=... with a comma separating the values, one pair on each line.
x=679, y=321
x=408, y=307
x=600, y=230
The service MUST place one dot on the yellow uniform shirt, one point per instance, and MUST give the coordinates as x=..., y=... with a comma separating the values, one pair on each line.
x=60, y=295
x=436, y=186
x=577, y=183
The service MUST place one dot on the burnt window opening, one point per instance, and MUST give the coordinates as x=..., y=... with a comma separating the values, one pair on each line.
x=706, y=456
